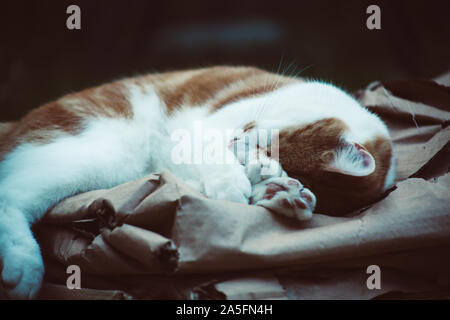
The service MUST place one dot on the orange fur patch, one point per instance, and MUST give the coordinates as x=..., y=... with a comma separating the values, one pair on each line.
x=215, y=86
x=305, y=152
x=66, y=115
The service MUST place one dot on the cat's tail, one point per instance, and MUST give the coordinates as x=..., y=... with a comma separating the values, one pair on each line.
x=22, y=266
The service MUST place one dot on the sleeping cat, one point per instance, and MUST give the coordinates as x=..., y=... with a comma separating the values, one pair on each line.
x=331, y=150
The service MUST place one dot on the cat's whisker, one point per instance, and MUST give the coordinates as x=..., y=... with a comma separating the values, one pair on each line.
x=302, y=70
x=260, y=109
x=268, y=99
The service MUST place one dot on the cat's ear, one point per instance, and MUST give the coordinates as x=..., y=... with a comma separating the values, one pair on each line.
x=352, y=159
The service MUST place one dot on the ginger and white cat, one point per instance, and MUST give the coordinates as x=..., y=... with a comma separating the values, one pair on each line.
x=331, y=150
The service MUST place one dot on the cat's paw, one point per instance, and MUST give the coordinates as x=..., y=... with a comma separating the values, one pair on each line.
x=235, y=188
x=263, y=168
x=258, y=166
x=286, y=196
x=22, y=272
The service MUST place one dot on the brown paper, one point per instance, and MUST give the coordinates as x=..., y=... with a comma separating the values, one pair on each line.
x=244, y=287
x=158, y=227
x=60, y=292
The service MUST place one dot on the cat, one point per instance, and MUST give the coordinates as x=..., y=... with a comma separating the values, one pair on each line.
x=334, y=155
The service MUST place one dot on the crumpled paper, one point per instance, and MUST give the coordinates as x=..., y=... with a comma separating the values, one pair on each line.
x=157, y=232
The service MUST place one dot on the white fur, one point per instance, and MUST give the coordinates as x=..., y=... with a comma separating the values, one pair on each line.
x=33, y=177
x=305, y=103
x=351, y=161
x=390, y=176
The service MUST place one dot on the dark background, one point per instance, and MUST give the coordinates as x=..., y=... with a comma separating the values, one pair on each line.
x=40, y=59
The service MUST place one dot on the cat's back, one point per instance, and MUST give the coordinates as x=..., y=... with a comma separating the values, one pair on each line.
x=134, y=97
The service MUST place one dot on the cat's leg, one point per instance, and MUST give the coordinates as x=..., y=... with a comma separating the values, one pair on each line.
x=211, y=168
x=221, y=181
x=34, y=177
x=22, y=266
x=229, y=182
x=274, y=190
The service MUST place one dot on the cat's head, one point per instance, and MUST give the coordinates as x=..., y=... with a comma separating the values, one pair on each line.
x=345, y=174
x=327, y=140
x=333, y=145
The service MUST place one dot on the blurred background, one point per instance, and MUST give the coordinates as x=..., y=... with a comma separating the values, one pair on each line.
x=40, y=59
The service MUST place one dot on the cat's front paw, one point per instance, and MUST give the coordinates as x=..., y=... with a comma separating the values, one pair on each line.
x=286, y=196
x=235, y=188
x=263, y=168
x=22, y=272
